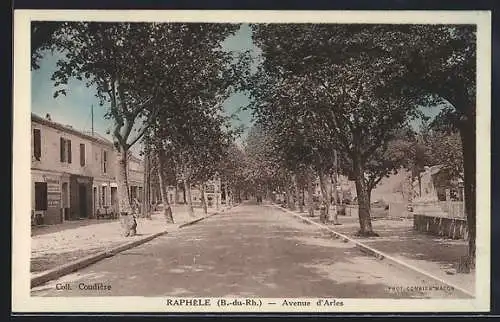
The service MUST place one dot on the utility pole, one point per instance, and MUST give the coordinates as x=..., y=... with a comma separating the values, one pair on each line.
x=92, y=116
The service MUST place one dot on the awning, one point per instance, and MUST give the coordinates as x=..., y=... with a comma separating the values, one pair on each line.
x=114, y=185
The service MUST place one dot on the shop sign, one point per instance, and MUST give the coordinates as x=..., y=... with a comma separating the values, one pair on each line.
x=53, y=203
x=82, y=180
x=53, y=186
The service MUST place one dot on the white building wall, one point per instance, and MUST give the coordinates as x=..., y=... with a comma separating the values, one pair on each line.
x=50, y=159
x=50, y=165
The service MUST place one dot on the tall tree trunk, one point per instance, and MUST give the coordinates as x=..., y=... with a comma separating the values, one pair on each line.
x=325, y=198
x=297, y=193
x=419, y=175
x=184, y=192
x=328, y=197
x=189, y=201
x=289, y=200
x=203, y=200
x=310, y=193
x=151, y=191
x=334, y=198
x=468, y=137
x=152, y=195
x=127, y=219
x=144, y=189
x=167, y=210
x=176, y=193
x=363, y=193
x=217, y=194
x=146, y=209
x=150, y=186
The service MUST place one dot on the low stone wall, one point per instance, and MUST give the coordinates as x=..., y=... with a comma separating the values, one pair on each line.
x=455, y=228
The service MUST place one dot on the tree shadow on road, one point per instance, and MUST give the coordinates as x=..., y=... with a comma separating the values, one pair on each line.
x=222, y=258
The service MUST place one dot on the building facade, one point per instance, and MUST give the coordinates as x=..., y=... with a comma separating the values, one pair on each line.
x=214, y=194
x=72, y=173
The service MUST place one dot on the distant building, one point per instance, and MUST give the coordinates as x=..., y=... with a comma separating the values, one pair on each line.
x=73, y=173
x=436, y=184
x=214, y=193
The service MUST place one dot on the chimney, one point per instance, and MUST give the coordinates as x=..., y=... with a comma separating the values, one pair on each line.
x=48, y=117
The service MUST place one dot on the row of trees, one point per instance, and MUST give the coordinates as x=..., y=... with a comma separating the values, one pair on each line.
x=162, y=84
x=326, y=98
x=341, y=98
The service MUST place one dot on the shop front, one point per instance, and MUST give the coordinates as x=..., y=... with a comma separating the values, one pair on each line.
x=80, y=196
x=46, y=198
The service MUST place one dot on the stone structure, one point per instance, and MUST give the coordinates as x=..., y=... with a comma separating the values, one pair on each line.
x=438, y=204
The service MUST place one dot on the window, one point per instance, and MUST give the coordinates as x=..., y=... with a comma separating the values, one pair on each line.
x=82, y=154
x=37, y=144
x=65, y=151
x=40, y=195
x=69, y=150
x=104, y=160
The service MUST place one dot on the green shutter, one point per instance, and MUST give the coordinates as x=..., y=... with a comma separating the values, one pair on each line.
x=69, y=150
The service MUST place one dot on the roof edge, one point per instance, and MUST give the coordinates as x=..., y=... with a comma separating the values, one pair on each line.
x=61, y=127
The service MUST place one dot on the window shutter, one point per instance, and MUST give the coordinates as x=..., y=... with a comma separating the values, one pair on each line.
x=63, y=150
x=82, y=154
x=105, y=160
x=69, y=150
x=37, y=144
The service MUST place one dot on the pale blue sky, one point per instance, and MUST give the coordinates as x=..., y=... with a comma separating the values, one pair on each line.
x=75, y=108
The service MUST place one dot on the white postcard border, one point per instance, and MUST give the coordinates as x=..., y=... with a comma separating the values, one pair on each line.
x=23, y=302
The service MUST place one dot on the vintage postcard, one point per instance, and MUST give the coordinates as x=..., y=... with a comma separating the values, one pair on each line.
x=251, y=161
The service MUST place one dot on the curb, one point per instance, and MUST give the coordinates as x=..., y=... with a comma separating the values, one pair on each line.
x=205, y=217
x=86, y=261
x=71, y=267
x=189, y=223
x=374, y=252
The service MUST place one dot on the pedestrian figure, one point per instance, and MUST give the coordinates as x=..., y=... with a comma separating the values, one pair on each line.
x=323, y=216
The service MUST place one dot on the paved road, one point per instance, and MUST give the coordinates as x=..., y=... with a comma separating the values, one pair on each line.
x=250, y=251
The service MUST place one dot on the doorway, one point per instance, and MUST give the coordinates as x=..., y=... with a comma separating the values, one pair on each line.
x=82, y=194
x=114, y=199
x=65, y=200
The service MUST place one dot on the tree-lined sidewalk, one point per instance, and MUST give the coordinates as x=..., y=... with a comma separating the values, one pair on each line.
x=428, y=253
x=69, y=242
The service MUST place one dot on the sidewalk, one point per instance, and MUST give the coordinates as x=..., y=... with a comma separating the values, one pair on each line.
x=55, y=245
x=429, y=253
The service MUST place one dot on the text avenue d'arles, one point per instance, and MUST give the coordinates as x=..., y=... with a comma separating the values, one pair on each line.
x=251, y=302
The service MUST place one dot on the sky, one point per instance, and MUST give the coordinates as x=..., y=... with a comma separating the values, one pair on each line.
x=75, y=108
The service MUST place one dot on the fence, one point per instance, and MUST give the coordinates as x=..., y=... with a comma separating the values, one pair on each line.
x=441, y=218
x=445, y=209
x=454, y=209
